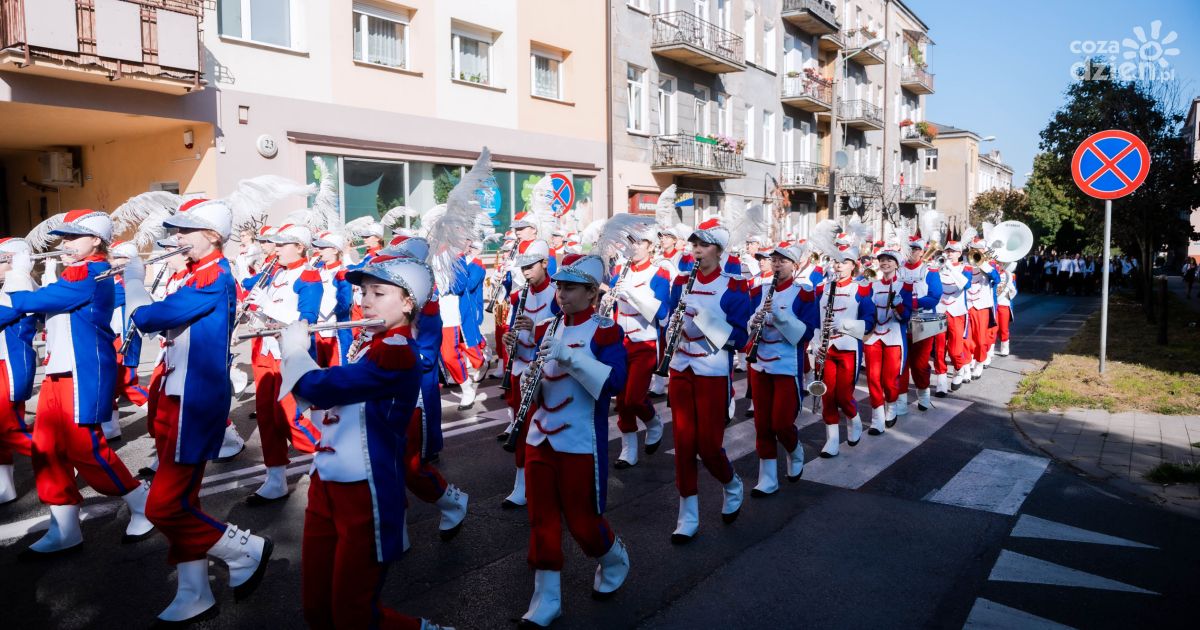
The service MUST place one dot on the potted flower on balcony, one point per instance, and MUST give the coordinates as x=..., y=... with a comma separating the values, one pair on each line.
x=906, y=122
x=928, y=131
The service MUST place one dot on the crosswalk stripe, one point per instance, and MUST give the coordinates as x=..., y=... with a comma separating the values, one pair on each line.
x=993, y=481
x=1034, y=527
x=1015, y=567
x=988, y=615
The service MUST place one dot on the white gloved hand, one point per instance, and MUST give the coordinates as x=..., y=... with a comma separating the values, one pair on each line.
x=257, y=296
x=136, y=296
x=619, y=292
x=50, y=271
x=295, y=339
x=847, y=325
x=555, y=350
x=897, y=299
x=135, y=271
x=22, y=263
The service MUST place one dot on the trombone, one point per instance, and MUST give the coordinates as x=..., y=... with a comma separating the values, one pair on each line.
x=269, y=332
x=182, y=249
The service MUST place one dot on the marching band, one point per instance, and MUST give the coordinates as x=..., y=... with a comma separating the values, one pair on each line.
x=349, y=353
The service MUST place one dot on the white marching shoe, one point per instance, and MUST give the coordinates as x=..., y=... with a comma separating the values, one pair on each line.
x=900, y=407
x=854, y=432
x=795, y=463
x=943, y=386
x=246, y=555
x=63, y=535
x=112, y=427
x=139, y=527
x=658, y=385
x=516, y=498
x=878, y=420
x=629, y=451
x=732, y=504
x=891, y=413
x=453, y=507
x=231, y=444
x=689, y=520
x=958, y=378
x=273, y=489
x=768, y=478
x=1003, y=349
x=546, y=604
x=923, y=399
x=987, y=362
x=833, y=439
x=193, y=595
x=978, y=371
x=469, y=388
x=612, y=571
x=654, y=434
x=8, y=489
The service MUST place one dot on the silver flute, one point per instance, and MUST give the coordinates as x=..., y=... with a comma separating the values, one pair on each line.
x=268, y=332
x=183, y=249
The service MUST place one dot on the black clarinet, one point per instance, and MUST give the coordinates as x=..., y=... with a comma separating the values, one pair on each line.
x=506, y=380
x=531, y=383
x=752, y=355
x=675, y=330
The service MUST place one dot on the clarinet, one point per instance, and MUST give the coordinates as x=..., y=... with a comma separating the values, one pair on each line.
x=133, y=331
x=675, y=329
x=609, y=303
x=506, y=380
x=262, y=281
x=817, y=387
x=756, y=335
x=531, y=382
x=498, y=287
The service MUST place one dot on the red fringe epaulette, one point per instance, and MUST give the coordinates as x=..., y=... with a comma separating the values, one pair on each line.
x=392, y=353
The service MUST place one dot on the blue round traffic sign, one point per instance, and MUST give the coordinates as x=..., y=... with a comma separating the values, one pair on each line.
x=1110, y=164
x=563, y=194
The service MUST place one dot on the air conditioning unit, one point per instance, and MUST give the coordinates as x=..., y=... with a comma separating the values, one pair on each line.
x=58, y=168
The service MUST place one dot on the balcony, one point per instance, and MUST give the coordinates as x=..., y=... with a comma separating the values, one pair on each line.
x=807, y=91
x=832, y=42
x=912, y=138
x=696, y=156
x=909, y=193
x=860, y=115
x=687, y=39
x=916, y=80
x=859, y=183
x=856, y=39
x=808, y=176
x=816, y=17
x=144, y=44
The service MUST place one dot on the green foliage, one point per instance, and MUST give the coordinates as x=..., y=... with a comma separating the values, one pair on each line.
x=999, y=204
x=527, y=191
x=445, y=181
x=1050, y=204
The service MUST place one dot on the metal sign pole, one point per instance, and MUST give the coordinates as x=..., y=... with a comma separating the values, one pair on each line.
x=1104, y=283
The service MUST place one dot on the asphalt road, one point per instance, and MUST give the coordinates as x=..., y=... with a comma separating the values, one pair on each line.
x=947, y=520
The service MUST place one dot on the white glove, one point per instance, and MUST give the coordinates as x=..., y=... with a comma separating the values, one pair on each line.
x=712, y=323
x=619, y=292
x=135, y=272
x=555, y=350
x=847, y=325
x=295, y=339
x=50, y=271
x=257, y=296
x=897, y=299
x=22, y=263
x=136, y=296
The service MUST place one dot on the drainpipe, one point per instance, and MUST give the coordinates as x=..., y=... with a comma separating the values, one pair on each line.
x=608, y=111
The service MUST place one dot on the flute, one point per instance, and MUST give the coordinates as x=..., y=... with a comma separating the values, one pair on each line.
x=183, y=249
x=268, y=332
x=50, y=254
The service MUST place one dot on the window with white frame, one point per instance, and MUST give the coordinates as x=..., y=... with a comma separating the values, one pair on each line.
x=471, y=52
x=931, y=159
x=668, y=106
x=769, y=46
x=264, y=21
x=724, y=115
x=635, y=101
x=701, y=113
x=380, y=35
x=637, y=4
x=749, y=150
x=749, y=35
x=545, y=66
x=768, y=136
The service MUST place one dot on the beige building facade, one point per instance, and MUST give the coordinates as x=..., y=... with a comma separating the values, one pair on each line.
x=1192, y=129
x=956, y=172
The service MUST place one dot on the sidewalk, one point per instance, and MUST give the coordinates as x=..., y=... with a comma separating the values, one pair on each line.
x=1175, y=285
x=1120, y=448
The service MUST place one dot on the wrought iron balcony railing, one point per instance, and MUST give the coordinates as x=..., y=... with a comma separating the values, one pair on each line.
x=697, y=156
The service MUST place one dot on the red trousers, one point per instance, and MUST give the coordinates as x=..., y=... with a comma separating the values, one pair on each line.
x=776, y=405
x=513, y=398
x=953, y=343
x=917, y=369
x=127, y=381
x=156, y=378
x=329, y=351
x=174, y=502
x=840, y=366
x=982, y=335
x=277, y=420
x=457, y=356
x=633, y=402
x=1003, y=319
x=61, y=447
x=883, y=372
x=562, y=486
x=340, y=578
x=420, y=476
x=501, y=347
x=699, y=409
x=15, y=436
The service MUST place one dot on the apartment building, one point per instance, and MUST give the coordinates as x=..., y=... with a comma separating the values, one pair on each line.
x=957, y=172
x=1191, y=127
x=397, y=97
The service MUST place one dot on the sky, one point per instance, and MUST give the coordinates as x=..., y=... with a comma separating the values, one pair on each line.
x=1001, y=68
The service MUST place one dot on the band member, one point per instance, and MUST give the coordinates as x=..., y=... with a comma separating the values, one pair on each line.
x=18, y=362
x=927, y=291
x=670, y=257
x=76, y=394
x=640, y=295
x=354, y=521
x=956, y=279
x=176, y=271
x=784, y=323
x=1005, y=294
x=715, y=312
x=583, y=365
x=522, y=335
x=337, y=298
x=845, y=311
x=293, y=293
x=191, y=409
x=886, y=342
x=127, y=381
x=981, y=310
x=462, y=314
x=557, y=243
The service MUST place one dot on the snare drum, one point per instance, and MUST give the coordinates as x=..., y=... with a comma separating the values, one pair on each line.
x=925, y=325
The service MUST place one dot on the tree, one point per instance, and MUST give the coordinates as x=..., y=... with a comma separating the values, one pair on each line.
x=998, y=204
x=1048, y=206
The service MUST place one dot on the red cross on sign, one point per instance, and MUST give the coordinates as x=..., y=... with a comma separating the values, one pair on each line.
x=1110, y=164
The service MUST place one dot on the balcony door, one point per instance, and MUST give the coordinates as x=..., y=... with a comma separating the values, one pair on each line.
x=702, y=119
x=789, y=141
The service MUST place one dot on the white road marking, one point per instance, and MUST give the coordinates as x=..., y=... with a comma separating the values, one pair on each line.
x=988, y=615
x=993, y=481
x=1034, y=527
x=1014, y=567
x=28, y=526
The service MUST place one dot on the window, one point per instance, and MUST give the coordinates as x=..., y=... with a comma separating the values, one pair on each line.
x=769, y=46
x=635, y=88
x=768, y=132
x=637, y=4
x=263, y=21
x=546, y=70
x=700, y=113
x=365, y=187
x=724, y=118
x=749, y=151
x=380, y=36
x=724, y=13
x=931, y=159
x=668, y=112
x=748, y=33
x=472, y=55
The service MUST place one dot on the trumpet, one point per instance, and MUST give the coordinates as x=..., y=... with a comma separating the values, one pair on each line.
x=980, y=256
x=183, y=249
x=870, y=275
x=38, y=256
x=268, y=332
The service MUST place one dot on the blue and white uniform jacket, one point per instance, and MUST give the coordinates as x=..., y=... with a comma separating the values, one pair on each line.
x=956, y=279
x=725, y=297
x=468, y=290
x=850, y=301
x=429, y=349
x=791, y=326
x=539, y=307
x=337, y=300
x=648, y=290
